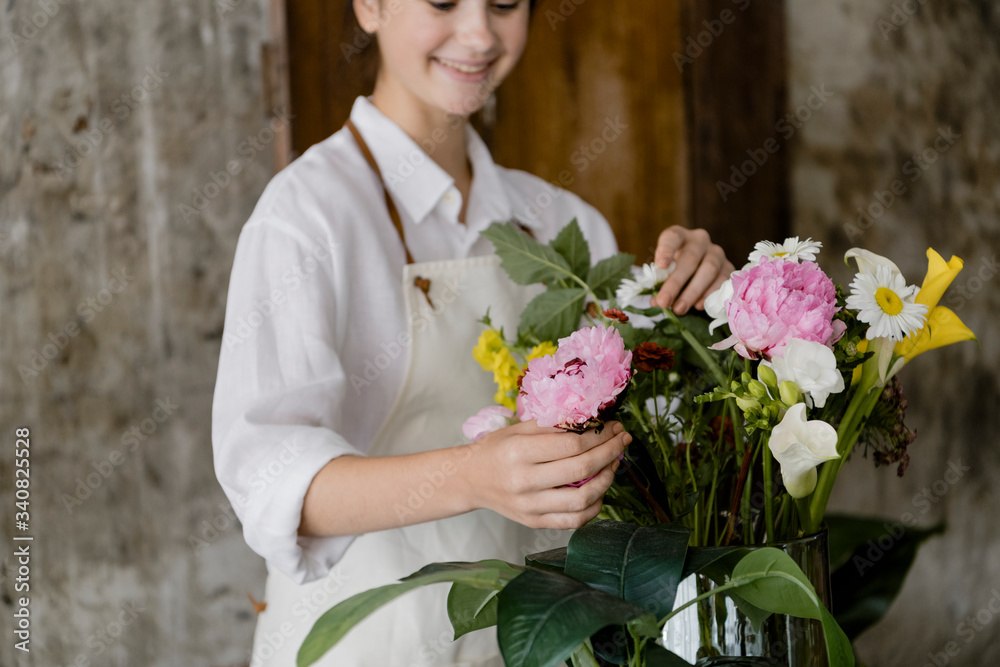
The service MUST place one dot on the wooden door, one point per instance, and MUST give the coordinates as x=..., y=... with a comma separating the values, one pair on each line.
x=642, y=107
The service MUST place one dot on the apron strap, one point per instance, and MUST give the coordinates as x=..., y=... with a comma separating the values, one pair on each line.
x=389, y=203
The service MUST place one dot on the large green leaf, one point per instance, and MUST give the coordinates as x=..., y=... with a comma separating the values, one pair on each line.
x=331, y=627
x=720, y=570
x=553, y=314
x=604, y=277
x=869, y=559
x=655, y=655
x=573, y=247
x=641, y=565
x=776, y=584
x=471, y=608
x=544, y=616
x=524, y=259
x=553, y=560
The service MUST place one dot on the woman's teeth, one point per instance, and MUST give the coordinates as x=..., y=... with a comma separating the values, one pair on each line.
x=467, y=69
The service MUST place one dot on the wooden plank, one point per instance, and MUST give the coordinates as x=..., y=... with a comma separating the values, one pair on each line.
x=736, y=93
x=597, y=106
x=601, y=105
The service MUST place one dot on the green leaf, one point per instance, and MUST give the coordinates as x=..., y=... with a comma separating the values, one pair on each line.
x=776, y=584
x=720, y=570
x=524, y=259
x=331, y=627
x=605, y=276
x=471, y=608
x=869, y=559
x=641, y=565
x=553, y=561
x=544, y=617
x=655, y=655
x=738, y=661
x=553, y=314
x=702, y=558
x=573, y=247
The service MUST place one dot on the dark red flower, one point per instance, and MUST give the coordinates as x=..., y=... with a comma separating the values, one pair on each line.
x=649, y=357
x=615, y=314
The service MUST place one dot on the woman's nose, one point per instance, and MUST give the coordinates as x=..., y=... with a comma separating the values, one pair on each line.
x=474, y=29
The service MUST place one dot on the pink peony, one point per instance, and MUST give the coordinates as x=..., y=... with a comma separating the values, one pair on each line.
x=570, y=388
x=487, y=420
x=775, y=301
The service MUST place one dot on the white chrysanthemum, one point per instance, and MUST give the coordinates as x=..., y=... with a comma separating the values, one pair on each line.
x=884, y=301
x=792, y=249
x=648, y=281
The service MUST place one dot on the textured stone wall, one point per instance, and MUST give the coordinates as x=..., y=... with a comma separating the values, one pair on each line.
x=112, y=115
x=916, y=102
x=118, y=223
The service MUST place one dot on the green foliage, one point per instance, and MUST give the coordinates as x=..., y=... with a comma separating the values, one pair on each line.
x=331, y=627
x=869, y=561
x=545, y=616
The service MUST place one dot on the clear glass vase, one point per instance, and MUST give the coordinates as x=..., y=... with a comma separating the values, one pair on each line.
x=716, y=627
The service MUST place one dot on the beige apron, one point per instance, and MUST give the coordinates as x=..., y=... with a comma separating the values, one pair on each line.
x=442, y=387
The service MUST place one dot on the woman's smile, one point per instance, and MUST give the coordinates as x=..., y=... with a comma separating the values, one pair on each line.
x=465, y=71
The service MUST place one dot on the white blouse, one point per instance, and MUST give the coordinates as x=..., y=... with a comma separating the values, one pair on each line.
x=310, y=362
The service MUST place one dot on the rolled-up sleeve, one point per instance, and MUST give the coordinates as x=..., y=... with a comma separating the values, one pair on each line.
x=279, y=393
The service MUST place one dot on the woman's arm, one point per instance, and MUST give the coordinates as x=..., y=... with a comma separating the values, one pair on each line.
x=516, y=471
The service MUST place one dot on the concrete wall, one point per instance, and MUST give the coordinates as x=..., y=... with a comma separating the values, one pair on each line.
x=901, y=79
x=112, y=114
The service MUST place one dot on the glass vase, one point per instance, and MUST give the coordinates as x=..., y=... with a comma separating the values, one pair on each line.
x=716, y=627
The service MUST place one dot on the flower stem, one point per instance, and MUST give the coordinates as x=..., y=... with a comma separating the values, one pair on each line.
x=770, y=526
x=697, y=348
x=584, y=656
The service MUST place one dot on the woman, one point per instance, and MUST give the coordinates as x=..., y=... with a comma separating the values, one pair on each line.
x=346, y=369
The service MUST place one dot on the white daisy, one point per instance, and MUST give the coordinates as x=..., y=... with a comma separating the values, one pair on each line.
x=648, y=281
x=792, y=249
x=884, y=301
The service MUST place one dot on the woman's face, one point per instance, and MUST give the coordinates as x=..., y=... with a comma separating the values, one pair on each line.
x=445, y=55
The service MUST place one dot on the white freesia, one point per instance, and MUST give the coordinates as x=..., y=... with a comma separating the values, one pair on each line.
x=647, y=281
x=792, y=250
x=810, y=365
x=715, y=305
x=799, y=446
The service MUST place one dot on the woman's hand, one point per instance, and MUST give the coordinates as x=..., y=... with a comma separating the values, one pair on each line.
x=520, y=472
x=701, y=265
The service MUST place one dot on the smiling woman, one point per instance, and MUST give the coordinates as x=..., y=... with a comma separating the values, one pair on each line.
x=380, y=484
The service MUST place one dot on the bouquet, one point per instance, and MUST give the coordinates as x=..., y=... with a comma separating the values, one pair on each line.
x=745, y=415
x=787, y=368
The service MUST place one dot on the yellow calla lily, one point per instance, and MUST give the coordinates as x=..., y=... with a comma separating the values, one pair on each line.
x=943, y=327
